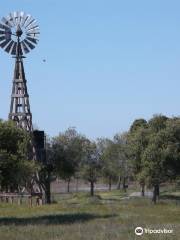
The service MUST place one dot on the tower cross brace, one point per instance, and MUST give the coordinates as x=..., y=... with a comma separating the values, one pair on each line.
x=20, y=107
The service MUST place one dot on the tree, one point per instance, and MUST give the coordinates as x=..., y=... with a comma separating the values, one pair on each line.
x=123, y=168
x=171, y=142
x=137, y=141
x=138, y=123
x=109, y=161
x=156, y=152
x=67, y=151
x=16, y=170
x=90, y=165
x=114, y=159
x=153, y=167
x=157, y=123
x=12, y=139
x=46, y=171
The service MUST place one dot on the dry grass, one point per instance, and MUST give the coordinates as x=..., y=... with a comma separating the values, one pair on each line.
x=79, y=217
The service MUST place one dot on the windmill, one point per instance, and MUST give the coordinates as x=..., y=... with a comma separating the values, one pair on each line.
x=18, y=36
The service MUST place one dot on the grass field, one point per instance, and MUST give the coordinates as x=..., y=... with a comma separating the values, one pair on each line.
x=107, y=216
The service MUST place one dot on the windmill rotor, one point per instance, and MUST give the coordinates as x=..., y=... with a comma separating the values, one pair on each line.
x=19, y=33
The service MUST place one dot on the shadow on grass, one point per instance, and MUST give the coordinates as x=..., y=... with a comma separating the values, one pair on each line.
x=52, y=219
x=170, y=197
x=112, y=199
x=116, y=199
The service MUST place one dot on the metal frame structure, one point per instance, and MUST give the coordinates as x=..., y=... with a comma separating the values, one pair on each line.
x=18, y=35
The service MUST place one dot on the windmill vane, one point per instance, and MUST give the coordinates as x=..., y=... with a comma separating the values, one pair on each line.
x=18, y=33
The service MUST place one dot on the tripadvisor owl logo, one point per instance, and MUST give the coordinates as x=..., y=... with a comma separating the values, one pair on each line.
x=139, y=231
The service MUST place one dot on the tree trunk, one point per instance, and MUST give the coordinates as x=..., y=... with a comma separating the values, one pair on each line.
x=119, y=183
x=155, y=193
x=48, y=188
x=68, y=185
x=142, y=189
x=110, y=179
x=77, y=183
x=124, y=184
x=92, y=188
x=158, y=191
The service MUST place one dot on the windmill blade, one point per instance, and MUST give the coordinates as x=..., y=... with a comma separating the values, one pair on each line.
x=6, y=22
x=8, y=48
x=2, y=32
x=25, y=17
x=19, y=18
x=33, y=32
x=30, y=45
x=28, y=19
x=24, y=47
x=3, y=44
x=13, y=50
x=2, y=38
x=11, y=19
x=8, y=34
x=3, y=27
x=16, y=15
x=33, y=35
x=18, y=21
x=33, y=28
x=33, y=40
x=22, y=18
x=31, y=23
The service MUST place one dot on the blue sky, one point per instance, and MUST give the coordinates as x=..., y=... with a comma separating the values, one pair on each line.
x=107, y=63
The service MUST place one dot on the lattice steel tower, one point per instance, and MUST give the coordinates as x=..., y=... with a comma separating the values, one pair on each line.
x=18, y=35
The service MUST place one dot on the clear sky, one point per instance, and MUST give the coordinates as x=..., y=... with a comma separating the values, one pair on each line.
x=108, y=62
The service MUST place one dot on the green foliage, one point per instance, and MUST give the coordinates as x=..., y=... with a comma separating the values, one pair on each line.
x=137, y=142
x=157, y=123
x=109, y=160
x=90, y=165
x=138, y=123
x=155, y=150
x=15, y=168
x=67, y=150
x=114, y=158
x=12, y=139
